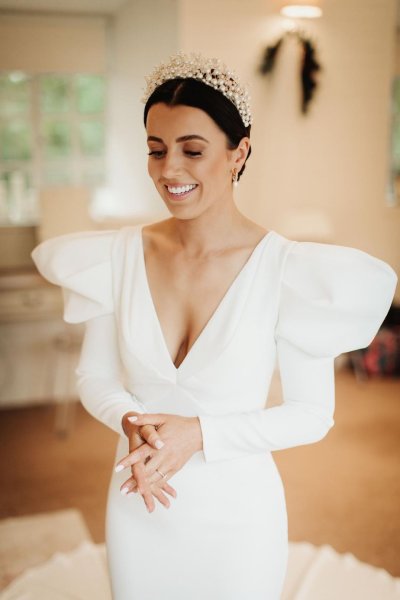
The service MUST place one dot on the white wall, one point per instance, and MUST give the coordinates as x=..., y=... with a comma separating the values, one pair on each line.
x=43, y=43
x=142, y=34
x=322, y=176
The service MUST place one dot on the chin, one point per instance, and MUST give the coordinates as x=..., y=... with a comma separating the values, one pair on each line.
x=184, y=213
x=181, y=213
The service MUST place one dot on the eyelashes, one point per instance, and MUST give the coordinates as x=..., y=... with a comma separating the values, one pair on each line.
x=158, y=153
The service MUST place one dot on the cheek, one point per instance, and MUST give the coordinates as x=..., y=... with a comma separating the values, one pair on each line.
x=211, y=171
x=152, y=168
x=217, y=175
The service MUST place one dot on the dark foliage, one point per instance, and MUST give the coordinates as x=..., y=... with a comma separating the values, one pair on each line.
x=309, y=65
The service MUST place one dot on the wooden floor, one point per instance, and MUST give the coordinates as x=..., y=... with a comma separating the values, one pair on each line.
x=343, y=491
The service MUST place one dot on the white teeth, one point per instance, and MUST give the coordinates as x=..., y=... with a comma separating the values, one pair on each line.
x=181, y=190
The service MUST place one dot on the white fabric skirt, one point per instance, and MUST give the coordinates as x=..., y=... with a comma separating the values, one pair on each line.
x=223, y=538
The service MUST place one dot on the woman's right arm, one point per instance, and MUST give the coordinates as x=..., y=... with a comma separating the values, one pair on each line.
x=98, y=373
x=103, y=395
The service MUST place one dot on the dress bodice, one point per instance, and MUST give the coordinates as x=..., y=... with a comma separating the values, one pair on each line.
x=304, y=300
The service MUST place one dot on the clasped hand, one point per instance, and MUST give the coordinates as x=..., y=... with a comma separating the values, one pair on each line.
x=157, y=441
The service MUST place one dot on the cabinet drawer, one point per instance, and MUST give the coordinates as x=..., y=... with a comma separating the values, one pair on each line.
x=30, y=303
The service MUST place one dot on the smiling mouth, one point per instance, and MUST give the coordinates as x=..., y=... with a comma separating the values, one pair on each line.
x=181, y=190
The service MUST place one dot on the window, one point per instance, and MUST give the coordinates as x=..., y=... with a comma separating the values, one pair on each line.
x=52, y=132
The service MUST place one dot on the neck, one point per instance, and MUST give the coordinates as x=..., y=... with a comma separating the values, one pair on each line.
x=213, y=230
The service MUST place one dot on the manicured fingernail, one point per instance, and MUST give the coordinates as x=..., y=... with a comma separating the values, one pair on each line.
x=132, y=419
x=124, y=491
x=159, y=444
x=119, y=468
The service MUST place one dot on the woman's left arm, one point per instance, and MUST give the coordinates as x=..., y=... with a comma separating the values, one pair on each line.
x=305, y=416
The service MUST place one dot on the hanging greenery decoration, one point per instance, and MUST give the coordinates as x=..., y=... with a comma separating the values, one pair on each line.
x=309, y=65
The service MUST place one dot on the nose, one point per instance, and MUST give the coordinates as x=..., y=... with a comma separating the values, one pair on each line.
x=171, y=166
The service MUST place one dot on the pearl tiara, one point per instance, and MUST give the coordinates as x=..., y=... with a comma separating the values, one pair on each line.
x=211, y=71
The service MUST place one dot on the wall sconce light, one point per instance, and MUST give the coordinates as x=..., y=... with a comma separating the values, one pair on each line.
x=301, y=9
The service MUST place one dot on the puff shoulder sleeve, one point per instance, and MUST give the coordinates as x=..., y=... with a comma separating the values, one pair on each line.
x=332, y=299
x=81, y=264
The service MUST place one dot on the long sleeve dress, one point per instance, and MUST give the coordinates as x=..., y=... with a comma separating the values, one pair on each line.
x=299, y=304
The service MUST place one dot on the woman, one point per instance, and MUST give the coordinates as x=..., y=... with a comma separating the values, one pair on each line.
x=184, y=321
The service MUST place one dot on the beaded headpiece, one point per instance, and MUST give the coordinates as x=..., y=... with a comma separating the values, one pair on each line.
x=211, y=71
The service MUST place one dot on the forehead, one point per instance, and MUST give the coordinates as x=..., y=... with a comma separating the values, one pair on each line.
x=176, y=121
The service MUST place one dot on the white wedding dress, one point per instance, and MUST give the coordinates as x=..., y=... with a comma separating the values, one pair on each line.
x=303, y=303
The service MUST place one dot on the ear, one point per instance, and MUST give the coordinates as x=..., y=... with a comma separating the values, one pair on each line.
x=240, y=153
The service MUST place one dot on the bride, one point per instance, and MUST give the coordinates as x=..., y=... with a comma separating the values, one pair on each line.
x=185, y=319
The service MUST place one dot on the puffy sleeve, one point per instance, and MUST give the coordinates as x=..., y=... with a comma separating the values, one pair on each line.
x=81, y=264
x=332, y=299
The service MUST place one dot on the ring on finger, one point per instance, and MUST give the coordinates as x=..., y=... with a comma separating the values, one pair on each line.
x=161, y=473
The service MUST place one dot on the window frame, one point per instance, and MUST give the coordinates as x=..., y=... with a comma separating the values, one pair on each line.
x=80, y=164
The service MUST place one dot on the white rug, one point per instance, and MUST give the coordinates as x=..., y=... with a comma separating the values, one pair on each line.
x=80, y=574
x=314, y=573
x=33, y=539
x=321, y=573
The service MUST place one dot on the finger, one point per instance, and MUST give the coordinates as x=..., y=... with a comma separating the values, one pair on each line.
x=155, y=478
x=155, y=472
x=154, y=468
x=141, y=479
x=143, y=487
x=165, y=486
x=134, y=488
x=135, y=439
x=127, y=486
x=151, y=436
x=148, y=498
x=147, y=419
x=161, y=497
x=169, y=489
x=127, y=424
x=138, y=455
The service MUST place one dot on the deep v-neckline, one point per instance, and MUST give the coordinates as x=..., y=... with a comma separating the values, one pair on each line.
x=214, y=314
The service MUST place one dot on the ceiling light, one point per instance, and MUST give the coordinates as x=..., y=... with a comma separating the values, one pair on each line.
x=303, y=11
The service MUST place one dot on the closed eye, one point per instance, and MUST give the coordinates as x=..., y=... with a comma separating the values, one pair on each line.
x=158, y=153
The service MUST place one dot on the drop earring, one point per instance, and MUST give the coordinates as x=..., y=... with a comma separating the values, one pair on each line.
x=235, y=177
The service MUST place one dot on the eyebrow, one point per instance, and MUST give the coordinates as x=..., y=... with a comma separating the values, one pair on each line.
x=183, y=138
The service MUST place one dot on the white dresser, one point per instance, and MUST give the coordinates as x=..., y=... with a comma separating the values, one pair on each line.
x=38, y=350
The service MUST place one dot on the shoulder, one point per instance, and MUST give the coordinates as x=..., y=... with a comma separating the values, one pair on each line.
x=333, y=298
x=81, y=263
x=58, y=257
x=346, y=269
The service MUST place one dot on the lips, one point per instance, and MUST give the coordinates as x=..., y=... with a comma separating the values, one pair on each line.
x=180, y=191
x=180, y=188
